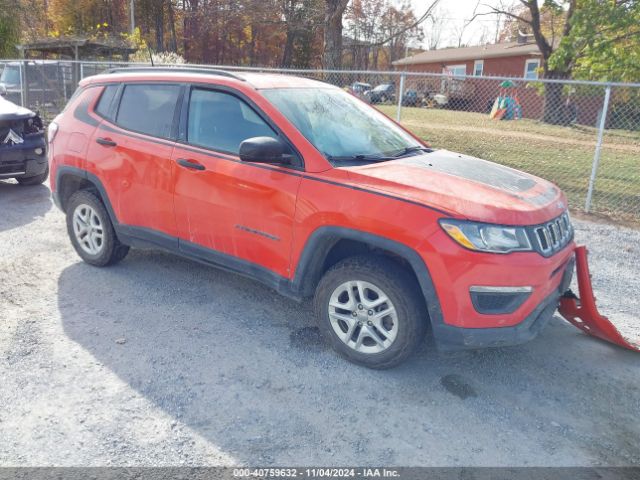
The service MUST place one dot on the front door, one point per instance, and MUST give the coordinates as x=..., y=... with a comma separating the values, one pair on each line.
x=224, y=206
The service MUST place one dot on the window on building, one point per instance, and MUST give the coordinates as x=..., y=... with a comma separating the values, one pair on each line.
x=456, y=70
x=478, y=68
x=531, y=67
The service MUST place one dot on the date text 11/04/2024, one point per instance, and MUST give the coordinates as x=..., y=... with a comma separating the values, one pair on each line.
x=316, y=472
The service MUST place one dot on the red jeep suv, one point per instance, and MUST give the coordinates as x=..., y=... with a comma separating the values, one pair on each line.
x=308, y=189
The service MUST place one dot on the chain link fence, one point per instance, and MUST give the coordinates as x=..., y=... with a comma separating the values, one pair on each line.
x=583, y=136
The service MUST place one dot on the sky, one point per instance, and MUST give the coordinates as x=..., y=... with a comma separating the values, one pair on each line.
x=456, y=13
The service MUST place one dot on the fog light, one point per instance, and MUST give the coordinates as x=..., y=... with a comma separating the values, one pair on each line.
x=498, y=300
x=39, y=151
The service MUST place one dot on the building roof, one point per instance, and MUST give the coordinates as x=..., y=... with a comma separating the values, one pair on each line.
x=78, y=47
x=478, y=52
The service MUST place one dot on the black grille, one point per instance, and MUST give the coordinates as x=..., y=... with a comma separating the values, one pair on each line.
x=7, y=168
x=552, y=236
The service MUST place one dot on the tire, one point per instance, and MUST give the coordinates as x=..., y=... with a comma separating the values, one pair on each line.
x=401, y=333
x=35, y=180
x=85, y=211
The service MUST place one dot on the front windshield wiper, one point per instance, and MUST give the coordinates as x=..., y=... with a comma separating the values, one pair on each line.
x=358, y=158
x=409, y=150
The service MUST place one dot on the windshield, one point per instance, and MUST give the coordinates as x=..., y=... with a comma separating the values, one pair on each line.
x=380, y=88
x=10, y=75
x=339, y=125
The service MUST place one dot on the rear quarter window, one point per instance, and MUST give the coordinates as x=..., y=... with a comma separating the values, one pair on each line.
x=104, y=107
x=148, y=108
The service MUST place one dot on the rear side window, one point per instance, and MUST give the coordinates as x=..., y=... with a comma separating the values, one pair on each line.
x=221, y=121
x=106, y=99
x=148, y=108
x=74, y=97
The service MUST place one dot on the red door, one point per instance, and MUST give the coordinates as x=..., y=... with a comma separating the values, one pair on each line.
x=222, y=204
x=131, y=154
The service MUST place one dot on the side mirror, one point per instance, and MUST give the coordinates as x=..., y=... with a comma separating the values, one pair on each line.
x=3, y=91
x=263, y=150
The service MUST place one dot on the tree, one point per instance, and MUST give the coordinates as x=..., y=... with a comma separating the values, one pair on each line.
x=333, y=13
x=9, y=30
x=530, y=16
x=577, y=36
x=301, y=20
x=434, y=28
x=604, y=43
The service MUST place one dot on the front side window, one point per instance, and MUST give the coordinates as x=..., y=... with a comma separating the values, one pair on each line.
x=148, y=108
x=340, y=126
x=531, y=69
x=222, y=121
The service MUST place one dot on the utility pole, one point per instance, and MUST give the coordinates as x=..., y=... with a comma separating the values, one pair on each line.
x=46, y=18
x=132, y=12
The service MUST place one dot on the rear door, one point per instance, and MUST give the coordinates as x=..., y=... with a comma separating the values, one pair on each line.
x=223, y=205
x=131, y=154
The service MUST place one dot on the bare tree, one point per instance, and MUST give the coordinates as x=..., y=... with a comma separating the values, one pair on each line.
x=333, y=13
x=434, y=28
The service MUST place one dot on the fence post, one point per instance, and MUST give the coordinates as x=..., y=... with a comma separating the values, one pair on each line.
x=400, y=96
x=23, y=83
x=596, y=155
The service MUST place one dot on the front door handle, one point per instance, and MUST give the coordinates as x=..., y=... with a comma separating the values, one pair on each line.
x=107, y=142
x=192, y=164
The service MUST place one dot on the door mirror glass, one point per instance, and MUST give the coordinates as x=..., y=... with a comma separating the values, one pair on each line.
x=263, y=150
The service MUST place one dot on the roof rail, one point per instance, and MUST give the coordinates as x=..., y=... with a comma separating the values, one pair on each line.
x=209, y=71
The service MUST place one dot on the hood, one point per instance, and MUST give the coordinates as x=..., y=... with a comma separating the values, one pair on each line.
x=9, y=111
x=466, y=186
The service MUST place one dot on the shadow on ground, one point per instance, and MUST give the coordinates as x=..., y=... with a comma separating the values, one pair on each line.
x=22, y=205
x=247, y=370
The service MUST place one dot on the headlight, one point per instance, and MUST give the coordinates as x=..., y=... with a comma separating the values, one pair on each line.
x=486, y=237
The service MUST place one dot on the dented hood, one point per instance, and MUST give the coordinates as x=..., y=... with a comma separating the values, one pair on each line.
x=9, y=111
x=467, y=186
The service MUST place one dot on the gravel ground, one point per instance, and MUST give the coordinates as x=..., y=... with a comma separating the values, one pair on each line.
x=161, y=361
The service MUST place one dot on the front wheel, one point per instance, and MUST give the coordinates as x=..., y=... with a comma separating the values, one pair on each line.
x=371, y=311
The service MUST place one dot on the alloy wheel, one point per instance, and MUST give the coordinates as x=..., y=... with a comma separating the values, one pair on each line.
x=88, y=229
x=363, y=316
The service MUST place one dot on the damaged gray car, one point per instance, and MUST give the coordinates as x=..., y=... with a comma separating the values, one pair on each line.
x=23, y=147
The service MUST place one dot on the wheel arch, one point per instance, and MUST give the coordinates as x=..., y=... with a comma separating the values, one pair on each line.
x=328, y=245
x=71, y=179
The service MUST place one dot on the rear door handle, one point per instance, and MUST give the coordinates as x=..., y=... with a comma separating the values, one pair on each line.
x=106, y=142
x=192, y=164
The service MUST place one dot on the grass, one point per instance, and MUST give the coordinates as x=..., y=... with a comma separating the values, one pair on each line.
x=563, y=155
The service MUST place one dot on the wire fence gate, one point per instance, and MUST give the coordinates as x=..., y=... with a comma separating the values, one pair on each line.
x=583, y=136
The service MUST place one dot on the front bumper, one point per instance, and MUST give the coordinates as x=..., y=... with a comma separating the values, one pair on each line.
x=21, y=160
x=449, y=337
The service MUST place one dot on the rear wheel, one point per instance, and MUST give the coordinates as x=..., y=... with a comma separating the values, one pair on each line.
x=371, y=311
x=91, y=231
x=35, y=180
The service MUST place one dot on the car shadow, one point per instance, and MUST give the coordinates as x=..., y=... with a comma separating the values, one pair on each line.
x=247, y=370
x=22, y=205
